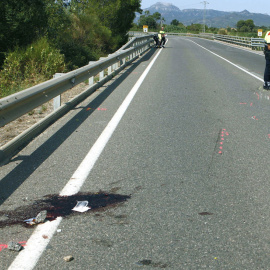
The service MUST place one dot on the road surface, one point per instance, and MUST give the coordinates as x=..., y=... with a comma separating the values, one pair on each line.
x=172, y=156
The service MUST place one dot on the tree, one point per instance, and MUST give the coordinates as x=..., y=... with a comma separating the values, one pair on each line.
x=81, y=29
x=195, y=27
x=250, y=24
x=147, y=20
x=117, y=15
x=21, y=22
x=240, y=24
x=157, y=16
x=245, y=26
x=175, y=22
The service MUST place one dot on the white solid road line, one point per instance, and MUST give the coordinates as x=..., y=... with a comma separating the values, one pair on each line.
x=258, y=78
x=29, y=256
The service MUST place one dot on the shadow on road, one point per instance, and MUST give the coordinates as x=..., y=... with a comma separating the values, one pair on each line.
x=30, y=163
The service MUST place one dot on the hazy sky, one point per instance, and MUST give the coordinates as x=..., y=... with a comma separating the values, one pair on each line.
x=255, y=6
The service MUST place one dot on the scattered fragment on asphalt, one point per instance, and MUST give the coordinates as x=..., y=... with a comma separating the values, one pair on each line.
x=40, y=218
x=30, y=221
x=14, y=246
x=205, y=214
x=5, y=246
x=59, y=206
x=69, y=258
x=144, y=262
x=81, y=206
x=151, y=263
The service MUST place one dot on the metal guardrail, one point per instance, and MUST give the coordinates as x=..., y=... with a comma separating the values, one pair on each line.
x=201, y=35
x=253, y=43
x=18, y=104
x=257, y=43
x=242, y=41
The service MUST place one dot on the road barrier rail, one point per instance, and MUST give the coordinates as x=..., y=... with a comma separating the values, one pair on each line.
x=18, y=104
x=253, y=43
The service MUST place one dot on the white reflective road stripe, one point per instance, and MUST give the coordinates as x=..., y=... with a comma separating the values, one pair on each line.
x=258, y=78
x=29, y=256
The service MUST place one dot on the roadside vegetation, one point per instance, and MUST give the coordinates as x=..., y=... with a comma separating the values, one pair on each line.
x=243, y=28
x=41, y=37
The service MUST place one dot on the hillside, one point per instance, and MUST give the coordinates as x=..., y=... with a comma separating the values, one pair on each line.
x=213, y=18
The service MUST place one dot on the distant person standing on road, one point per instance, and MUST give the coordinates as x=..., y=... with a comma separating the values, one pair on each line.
x=161, y=36
x=266, y=51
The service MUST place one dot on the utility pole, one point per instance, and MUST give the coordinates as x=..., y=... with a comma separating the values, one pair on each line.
x=205, y=3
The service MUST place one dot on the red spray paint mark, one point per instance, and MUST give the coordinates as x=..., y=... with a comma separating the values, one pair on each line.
x=243, y=103
x=254, y=117
x=269, y=136
x=3, y=246
x=222, y=139
x=258, y=95
x=99, y=109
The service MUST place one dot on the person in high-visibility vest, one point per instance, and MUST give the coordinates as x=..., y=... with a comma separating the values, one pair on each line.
x=266, y=51
x=161, y=36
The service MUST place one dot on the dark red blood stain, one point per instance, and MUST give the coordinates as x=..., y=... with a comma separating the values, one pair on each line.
x=61, y=206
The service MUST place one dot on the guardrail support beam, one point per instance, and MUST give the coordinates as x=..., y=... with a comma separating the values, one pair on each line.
x=57, y=100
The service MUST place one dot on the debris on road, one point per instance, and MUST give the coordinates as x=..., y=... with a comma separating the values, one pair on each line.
x=30, y=221
x=59, y=206
x=5, y=246
x=14, y=246
x=69, y=258
x=81, y=206
x=40, y=218
x=151, y=263
x=205, y=214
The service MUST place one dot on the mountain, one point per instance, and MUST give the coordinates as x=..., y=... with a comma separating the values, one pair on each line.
x=213, y=18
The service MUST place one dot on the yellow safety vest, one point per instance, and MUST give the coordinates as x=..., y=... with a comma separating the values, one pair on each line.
x=162, y=33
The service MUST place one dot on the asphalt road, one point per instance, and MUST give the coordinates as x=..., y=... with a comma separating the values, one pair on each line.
x=191, y=153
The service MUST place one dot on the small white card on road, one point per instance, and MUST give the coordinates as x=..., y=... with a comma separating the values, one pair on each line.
x=81, y=206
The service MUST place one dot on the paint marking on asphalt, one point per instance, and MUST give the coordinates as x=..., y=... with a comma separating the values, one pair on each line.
x=29, y=256
x=258, y=78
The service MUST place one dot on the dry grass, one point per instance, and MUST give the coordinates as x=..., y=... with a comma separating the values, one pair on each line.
x=16, y=127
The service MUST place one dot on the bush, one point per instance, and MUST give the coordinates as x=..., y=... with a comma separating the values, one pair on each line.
x=176, y=29
x=222, y=31
x=29, y=66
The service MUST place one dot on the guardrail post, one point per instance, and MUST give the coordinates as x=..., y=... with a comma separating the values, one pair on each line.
x=91, y=79
x=114, y=66
x=57, y=100
x=101, y=74
x=24, y=101
x=110, y=68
